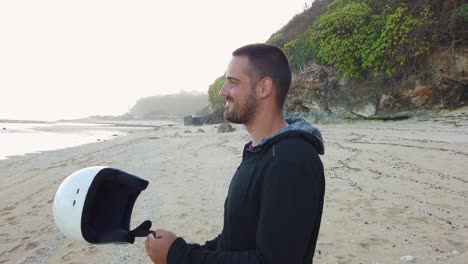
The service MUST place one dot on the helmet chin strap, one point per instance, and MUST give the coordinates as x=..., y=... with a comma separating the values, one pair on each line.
x=142, y=230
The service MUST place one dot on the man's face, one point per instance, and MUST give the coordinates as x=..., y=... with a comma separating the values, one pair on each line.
x=241, y=100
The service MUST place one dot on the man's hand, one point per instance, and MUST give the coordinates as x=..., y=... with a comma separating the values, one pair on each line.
x=158, y=247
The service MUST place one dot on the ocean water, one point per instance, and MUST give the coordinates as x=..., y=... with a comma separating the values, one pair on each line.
x=22, y=138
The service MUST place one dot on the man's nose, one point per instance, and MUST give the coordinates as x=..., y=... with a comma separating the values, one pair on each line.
x=224, y=91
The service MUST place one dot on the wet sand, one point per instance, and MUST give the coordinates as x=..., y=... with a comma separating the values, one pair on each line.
x=394, y=189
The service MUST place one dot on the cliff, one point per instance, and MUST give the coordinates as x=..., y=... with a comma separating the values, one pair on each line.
x=172, y=105
x=442, y=83
x=373, y=59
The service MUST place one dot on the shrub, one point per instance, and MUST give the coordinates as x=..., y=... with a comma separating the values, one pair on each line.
x=462, y=13
x=336, y=37
x=356, y=39
x=299, y=51
x=401, y=40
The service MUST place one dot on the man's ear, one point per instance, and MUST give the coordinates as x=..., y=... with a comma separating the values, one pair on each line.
x=265, y=87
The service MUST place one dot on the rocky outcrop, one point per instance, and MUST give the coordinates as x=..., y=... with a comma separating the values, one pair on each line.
x=225, y=128
x=193, y=121
x=213, y=117
x=441, y=83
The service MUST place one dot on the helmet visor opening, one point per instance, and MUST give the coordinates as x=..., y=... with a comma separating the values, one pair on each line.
x=108, y=207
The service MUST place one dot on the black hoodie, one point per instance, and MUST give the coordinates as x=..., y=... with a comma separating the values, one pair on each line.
x=274, y=204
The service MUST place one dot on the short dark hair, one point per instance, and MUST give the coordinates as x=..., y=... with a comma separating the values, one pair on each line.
x=268, y=61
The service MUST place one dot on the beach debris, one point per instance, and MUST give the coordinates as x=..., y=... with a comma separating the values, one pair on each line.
x=114, y=135
x=187, y=131
x=200, y=130
x=4, y=128
x=455, y=252
x=408, y=258
x=98, y=139
x=225, y=128
x=153, y=138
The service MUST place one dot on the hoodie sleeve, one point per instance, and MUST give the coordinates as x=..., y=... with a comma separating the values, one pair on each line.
x=211, y=244
x=291, y=209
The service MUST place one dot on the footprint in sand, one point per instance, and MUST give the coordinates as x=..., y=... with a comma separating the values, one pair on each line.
x=41, y=252
x=32, y=213
x=183, y=215
x=15, y=248
x=47, y=228
x=364, y=245
x=72, y=244
x=31, y=245
x=5, y=213
x=69, y=256
x=6, y=209
x=11, y=220
x=90, y=249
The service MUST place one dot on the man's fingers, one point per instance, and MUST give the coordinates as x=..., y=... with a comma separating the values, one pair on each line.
x=158, y=243
x=147, y=245
x=160, y=233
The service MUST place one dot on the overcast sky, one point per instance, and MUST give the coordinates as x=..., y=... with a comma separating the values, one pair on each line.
x=70, y=59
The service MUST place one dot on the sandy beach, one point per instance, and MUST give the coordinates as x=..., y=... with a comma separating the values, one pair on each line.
x=397, y=192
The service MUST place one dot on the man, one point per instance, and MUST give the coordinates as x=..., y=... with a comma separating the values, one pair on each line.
x=274, y=204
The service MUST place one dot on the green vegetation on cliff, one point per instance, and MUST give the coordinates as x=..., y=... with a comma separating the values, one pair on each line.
x=353, y=38
x=358, y=37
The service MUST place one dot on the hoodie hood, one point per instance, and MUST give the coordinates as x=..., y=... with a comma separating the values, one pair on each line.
x=297, y=127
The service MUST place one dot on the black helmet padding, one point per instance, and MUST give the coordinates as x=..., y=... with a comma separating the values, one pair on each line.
x=108, y=208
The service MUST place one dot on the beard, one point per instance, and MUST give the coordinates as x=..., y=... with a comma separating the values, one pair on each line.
x=241, y=113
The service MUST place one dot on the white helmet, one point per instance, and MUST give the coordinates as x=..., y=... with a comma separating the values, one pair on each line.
x=95, y=204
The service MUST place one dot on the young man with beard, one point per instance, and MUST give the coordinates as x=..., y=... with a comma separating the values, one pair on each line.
x=274, y=203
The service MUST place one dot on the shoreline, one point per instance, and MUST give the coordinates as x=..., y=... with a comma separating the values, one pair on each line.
x=22, y=138
x=394, y=189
